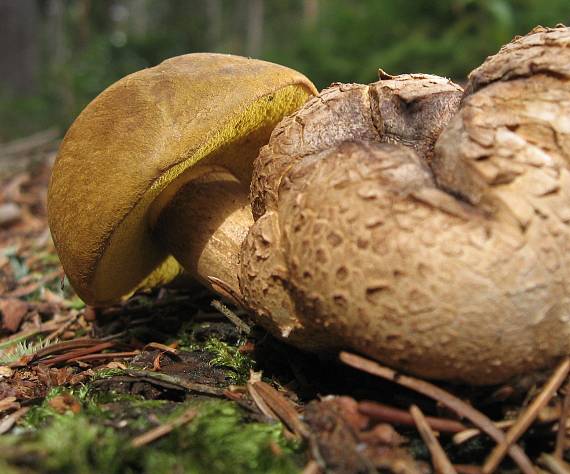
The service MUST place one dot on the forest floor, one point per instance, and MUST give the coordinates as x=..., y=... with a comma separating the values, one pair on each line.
x=168, y=383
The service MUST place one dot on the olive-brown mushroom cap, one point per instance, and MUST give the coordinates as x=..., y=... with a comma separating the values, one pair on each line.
x=137, y=137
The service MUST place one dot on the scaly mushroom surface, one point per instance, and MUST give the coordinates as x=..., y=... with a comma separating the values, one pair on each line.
x=445, y=257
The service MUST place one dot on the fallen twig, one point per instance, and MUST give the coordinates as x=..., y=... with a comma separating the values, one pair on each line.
x=282, y=408
x=108, y=355
x=228, y=313
x=441, y=463
x=222, y=287
x=553, y=464
x=57, y=348
x=161, y=347
x=461, y=437
x=260, y=402
x=467, y=469
x=163, y=430
x=444, y=397
x=388, y=414
x=561, y=435
x=527, y=417
x=73, y=355
x=64, y=347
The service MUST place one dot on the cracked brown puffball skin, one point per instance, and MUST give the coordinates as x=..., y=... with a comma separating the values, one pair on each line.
x=424, y=227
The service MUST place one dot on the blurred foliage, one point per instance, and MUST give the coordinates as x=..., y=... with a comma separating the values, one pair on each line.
x=87, y=45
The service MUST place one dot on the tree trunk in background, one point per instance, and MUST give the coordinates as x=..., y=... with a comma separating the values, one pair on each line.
x=56, y=45
x=214, y=15
x=19, y=46
x=139, y=17
x=83, y=21
x=310, y=12
x=58, y=54
x=254, y=28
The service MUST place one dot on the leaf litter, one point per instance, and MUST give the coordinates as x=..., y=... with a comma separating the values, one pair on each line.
x=178, y=381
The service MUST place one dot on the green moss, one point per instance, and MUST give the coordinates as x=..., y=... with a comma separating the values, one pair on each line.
x=218, y=440
x=229, y=357
x=68, y=444
x=225, y=355
x=107, y=373
x=40, y=415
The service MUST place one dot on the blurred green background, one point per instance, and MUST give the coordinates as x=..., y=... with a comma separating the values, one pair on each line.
x=56, y=55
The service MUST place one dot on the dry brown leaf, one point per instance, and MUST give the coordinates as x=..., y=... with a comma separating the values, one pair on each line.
x=65, y=402
x=13, y=311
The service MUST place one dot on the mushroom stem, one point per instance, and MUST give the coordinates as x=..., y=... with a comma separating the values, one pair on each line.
x=203, y=222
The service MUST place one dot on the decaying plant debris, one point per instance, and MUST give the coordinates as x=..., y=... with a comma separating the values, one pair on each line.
x=167, y=383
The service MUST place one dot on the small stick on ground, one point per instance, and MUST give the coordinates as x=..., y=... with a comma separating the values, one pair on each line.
x=527, y=417
x=388, y=414
x=441, y=463
x=561, y=435
x=72, y=355
x=160, y=347
x=445, y=398
x=107, y=355
x=467, y=469
x=64, y=347
x=227, y=291
x=463, y=436
x=282, y=408
x=228, y=313
x=163, y=430
x=260, y=402
x=553, y=464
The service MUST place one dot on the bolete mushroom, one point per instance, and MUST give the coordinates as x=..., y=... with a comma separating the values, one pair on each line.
x=159, y=164
x=448, y=258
